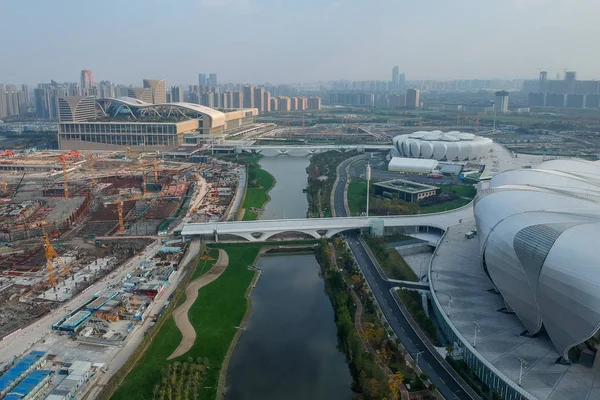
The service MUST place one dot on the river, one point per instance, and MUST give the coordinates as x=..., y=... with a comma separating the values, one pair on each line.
x=287, y=198
x=288, y=349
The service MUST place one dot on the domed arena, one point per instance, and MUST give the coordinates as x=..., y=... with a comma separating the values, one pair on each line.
x=442, y=146
x=539, y=233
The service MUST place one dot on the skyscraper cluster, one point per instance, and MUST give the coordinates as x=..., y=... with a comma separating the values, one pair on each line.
x=248, y=96
x=13, y=101
x=568, y=92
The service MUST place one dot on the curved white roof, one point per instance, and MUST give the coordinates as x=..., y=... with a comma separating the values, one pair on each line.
x=539, y=230
x=423, y=166
x=438, y=145
x=215, y=117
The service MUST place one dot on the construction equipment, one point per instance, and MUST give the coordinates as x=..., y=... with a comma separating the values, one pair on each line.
x=63, y=160
x=7, y=153
x=18, y=186
x=4, y=184
x=52, y=255
x=119, y=204
x=154, y=169
x=92, y=168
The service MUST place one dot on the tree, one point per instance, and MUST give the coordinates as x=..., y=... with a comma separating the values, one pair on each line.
x=450, y=350
x=395, y=384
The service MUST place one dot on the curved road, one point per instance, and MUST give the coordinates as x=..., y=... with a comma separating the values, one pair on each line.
x=445, y=383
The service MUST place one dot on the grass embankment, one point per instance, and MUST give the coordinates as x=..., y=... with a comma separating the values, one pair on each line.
x=322, y=173
x=450, y=198
x=220, y=307
x=390, y=261
x=260, y=182
x=413, y=303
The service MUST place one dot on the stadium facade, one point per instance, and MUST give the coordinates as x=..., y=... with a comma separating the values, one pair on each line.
x=437, y=145
x=87, y=123
x=538, y=230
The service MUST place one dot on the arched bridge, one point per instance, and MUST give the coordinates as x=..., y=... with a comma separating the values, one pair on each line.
x=304, y=150
x=263, y=230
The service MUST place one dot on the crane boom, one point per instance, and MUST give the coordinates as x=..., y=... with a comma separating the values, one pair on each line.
x=51, y=255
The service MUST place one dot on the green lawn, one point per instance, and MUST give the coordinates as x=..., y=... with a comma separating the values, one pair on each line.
x=461, y=190
x=390, y=261
x=219, y=308
x=259, y=184
x=357, y=196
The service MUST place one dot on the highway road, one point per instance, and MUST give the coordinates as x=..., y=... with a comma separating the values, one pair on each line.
x=445, y=383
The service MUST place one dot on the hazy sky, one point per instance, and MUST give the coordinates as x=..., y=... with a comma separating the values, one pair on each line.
x=282, y=41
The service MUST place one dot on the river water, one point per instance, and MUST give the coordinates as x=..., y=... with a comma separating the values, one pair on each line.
x=287, y=198
x=288, y=349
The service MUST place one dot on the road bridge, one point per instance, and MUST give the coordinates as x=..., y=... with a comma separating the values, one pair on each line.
x=299, y=150
x=263, y=230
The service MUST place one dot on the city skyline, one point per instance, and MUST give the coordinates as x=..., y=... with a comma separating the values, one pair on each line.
x=461, y=40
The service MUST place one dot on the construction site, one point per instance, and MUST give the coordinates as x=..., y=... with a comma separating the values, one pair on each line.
x=64, y=217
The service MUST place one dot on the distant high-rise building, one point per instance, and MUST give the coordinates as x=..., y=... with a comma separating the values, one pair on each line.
x=294, y=103
x=314, y=103
x=302, y=103
x=212, y=80
x=238, y=99
x=208, y=99
x=412, y=99
x=274, y=104
x=259, y=99
x=87, y=82
x=501, y=101
x=176, y=94
x=227, y=99
x=3, y=111
x=249, y=96
x=267, y=101
x=537, y=99
x=158, y=88
x=284, y=103
x=396, y=75
x=25, y=91
x=555, y=100
x=202, y=79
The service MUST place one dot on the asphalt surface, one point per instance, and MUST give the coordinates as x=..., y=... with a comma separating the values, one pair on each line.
x=445, y=383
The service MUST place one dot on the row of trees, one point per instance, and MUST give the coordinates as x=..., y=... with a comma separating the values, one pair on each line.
x=369, y=380
x=182, y=381
x=412, y=301
x=322, y=173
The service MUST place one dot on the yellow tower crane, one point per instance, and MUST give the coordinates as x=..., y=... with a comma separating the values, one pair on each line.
x=119, y=204
x=63, y=161
x=52, y=255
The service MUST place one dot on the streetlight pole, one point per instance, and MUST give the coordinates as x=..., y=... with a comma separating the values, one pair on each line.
x=476, y=330
x=523, y=362
x=418, y=353
x=368, y=174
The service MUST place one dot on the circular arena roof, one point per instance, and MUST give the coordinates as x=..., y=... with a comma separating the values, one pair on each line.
x=539, y=232
x=438, y=145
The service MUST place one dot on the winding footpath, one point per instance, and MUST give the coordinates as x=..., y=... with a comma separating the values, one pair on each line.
x=180, y=314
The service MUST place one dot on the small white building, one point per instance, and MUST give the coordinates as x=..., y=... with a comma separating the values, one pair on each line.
x=414, y=165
